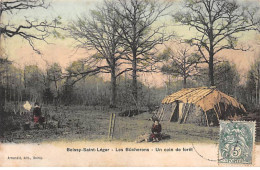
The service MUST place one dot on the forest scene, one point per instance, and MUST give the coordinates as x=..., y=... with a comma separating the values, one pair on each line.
x=81, y=61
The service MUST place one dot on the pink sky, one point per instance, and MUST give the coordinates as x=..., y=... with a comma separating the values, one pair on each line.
x=62, y=51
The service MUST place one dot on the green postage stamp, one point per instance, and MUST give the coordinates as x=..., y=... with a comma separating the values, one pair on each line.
x=236, y=142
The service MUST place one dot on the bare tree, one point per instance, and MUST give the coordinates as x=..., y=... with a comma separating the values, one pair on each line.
x=218, y=24
x=4, y=65
x=75, y=72
x=30, y=29
x=140, y=33
x=33, y=82
x=54, y=74
x=254, y=79
x=101, y=33
x=181, y=62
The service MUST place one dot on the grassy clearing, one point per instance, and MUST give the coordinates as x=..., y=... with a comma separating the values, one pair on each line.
x=91, y=124
x=127, y=129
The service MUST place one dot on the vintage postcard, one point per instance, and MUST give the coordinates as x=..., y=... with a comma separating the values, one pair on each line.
x=127, y=83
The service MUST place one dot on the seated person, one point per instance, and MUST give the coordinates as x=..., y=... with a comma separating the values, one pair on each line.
x=156, y=131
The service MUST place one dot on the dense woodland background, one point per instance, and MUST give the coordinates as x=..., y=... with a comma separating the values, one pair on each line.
x=48, y=86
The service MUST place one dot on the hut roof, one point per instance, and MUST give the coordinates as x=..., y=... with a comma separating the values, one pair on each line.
x=204, y=97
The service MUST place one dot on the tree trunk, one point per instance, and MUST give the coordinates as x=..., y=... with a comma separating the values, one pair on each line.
x=184, y=82
x=211, y=70
x=134, y=77
x=256, y=89
x=169, y=85
x=113, y=89
x=211, y=52
x=56, y=97
x=258, y=92
x=2, y=99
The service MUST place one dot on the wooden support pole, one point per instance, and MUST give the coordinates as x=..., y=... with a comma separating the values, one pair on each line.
x=160, y=114
x=113, y=125
x=206, y=118
x=110, y=124
x=173, y=110
x=216, y=113
x=219, y=109
x=186, y=114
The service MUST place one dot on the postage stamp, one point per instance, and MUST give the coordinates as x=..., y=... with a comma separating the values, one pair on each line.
x=236, y=142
